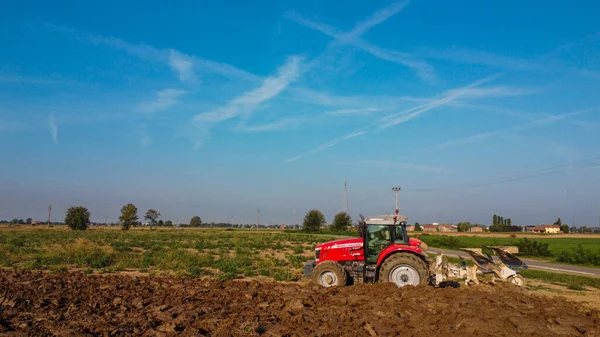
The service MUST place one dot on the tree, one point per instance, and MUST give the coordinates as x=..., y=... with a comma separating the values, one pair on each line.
x=508, y=222
x=21, y=222
x=341, y=222
x=29, y=221
x=152, y=215
x=313, y=220
x=463, y=226
x=558, y=222
x=418, y=227
x=14, y=221
x=565, y=228
x=161, y=223
x=77, y=218
x=495, y=220
x=128, y=216
x=196, y=221
x=169, y=223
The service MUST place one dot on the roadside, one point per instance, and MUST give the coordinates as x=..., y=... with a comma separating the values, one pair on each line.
x=534, y=264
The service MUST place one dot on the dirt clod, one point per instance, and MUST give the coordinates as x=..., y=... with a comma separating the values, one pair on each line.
x=75, y=303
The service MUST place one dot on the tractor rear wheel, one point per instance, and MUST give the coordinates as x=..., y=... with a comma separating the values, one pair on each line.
x=329, y=273
x=404, y=269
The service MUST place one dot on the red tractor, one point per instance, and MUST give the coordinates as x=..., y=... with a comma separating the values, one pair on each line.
x=383, y=252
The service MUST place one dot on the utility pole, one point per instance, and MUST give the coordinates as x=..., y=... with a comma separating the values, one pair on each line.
x=346, y=197
x=396, y=190
x=294, y=218
x=257, y=219
x=49, y=212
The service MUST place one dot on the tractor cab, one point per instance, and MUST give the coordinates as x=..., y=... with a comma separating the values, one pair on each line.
x=381, y=232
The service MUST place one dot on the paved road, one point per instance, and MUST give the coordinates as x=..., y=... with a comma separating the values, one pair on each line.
x=534, y=264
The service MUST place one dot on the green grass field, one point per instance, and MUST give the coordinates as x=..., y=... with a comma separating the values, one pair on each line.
x=556, y=245
x=582, y=251
x=225, y=254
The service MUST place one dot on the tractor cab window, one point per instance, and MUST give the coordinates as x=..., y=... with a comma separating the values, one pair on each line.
x=377, y=239
x=398, y=234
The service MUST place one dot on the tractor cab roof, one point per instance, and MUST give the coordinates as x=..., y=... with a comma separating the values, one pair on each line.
x=387, y=219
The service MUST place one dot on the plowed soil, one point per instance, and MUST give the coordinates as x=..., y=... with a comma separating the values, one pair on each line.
x=75, y=304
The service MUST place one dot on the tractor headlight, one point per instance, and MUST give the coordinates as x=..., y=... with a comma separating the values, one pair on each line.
x=317, y=254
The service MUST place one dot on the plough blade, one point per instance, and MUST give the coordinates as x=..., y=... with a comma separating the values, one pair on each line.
x=443, y=271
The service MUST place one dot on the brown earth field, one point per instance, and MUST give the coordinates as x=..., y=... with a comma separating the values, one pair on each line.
x=37, y=303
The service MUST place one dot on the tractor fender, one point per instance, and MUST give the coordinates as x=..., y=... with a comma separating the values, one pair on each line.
x=396, y=248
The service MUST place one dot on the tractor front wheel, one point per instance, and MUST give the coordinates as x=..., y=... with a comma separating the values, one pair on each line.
x=403, y=269
x=329, y=274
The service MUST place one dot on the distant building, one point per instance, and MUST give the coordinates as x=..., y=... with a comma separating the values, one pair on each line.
x=447, y=228
x=476, y=229
x=410, y=228
x=429, y=228
x=550, y=229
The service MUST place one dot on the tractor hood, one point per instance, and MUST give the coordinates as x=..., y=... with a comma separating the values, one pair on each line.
x=342, y=243
x=358, y=242
x=417, y=243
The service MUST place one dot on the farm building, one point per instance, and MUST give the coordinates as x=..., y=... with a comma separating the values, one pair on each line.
x=429, y=228
x=476, y=229
x=551, y=229
x=447, y=228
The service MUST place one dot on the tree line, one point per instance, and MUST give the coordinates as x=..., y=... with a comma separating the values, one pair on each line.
x=78, y=218
x=314, y=220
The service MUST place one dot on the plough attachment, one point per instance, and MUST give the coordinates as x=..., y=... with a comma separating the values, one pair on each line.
x=443, y=271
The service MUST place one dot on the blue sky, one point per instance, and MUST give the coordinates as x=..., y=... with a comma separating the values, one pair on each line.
x=197, y=108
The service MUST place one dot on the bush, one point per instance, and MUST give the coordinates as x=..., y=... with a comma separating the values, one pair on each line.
x=579, y=255
x=77, y=218
x=341, y=222
x=314, y=220
x=533, y=248
x=448, y=242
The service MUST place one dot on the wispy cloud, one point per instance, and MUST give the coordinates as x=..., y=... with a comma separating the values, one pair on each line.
x=448, y=97
x=396, y=165
x=546, y=63
x=53, y=128
x=500, y=91
x=145, y=140
x=423, y=69
x=280, y=124
x=375, y=19
x=327, y=145
x=183, y=65
x=479, y=57
x=20, y=79
x=405, y=115
x=246, y=103
x=164, y=100
x=487, y=135
x=523, y=115
x=359, y=111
